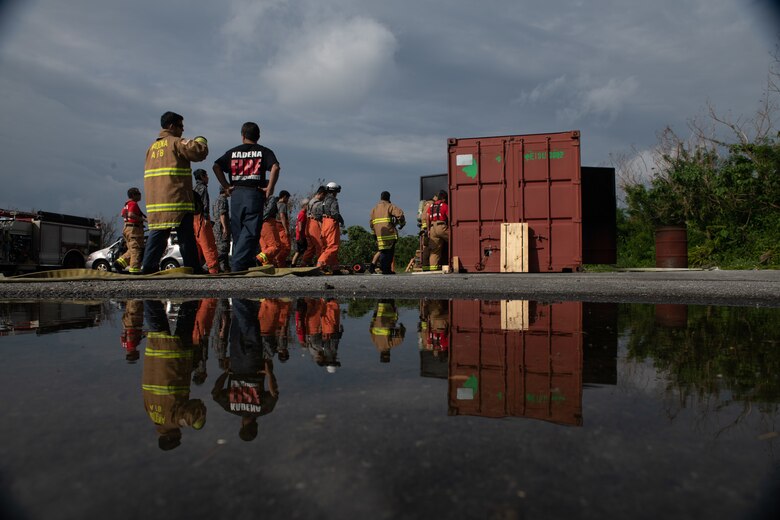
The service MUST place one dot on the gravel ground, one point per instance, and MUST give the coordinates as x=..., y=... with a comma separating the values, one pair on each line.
x=746, y=288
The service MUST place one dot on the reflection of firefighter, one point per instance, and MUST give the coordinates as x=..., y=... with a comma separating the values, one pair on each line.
x=221, y=343
x=438, y=325
x=240, y=389
x=313, y=329
x=300, y=320
x=386, y=332
x=132, y=329
x=273, y=317
x=204, y=320
x=283, y=331
x=166, y=375
x=331, y=334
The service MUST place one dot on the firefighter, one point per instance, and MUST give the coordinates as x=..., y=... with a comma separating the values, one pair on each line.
x=314, y=228
x=332, y=221
x=241, y=388
x=300, y=233
x=168, y=186
x=166, y=375
x=385, y=218
x=422, y=222
x=202, y=226
x=222, y=230
x=133, y=232
x=386, y=332
x=248, y=190
x=437, y=219
x=282, y=228
x=269, y=234
x=132, y=329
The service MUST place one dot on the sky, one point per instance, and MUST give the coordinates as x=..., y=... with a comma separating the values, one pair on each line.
x=361, y=92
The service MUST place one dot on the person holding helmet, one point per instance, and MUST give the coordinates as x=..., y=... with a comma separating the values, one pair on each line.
x=170, y=200
x=331, y=228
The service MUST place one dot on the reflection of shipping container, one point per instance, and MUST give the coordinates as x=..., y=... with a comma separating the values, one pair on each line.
x=531, y=371
x=30, y=241
x=600, y=342
x=535, y=179
x=47, y=317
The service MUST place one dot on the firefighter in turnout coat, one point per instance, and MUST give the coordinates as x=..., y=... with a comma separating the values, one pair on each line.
x=384, y=218
x=169, y=192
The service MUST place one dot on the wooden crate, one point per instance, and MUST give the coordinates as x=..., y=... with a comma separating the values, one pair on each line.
x=514, y=247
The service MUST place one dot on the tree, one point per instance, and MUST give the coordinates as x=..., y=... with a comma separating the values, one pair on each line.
x=722, y=183
x=108, y=230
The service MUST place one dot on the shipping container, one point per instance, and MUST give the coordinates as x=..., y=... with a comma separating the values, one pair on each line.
x=532, y=371
x=533, y=179
x=599, y=217
x=431, y=185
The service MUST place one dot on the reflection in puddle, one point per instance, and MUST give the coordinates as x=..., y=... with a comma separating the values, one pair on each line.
x=342, y=399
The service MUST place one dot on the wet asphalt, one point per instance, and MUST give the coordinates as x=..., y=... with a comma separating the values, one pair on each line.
x=711, y=287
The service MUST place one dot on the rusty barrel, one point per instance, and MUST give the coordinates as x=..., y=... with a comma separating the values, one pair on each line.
x=671, y=246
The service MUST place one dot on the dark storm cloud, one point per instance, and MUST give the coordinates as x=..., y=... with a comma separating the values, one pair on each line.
x=361, y=92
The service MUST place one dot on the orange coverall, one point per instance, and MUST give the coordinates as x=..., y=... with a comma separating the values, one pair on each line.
x=207, y=246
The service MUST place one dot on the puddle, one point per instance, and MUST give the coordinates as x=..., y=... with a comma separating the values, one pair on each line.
x=330, y=408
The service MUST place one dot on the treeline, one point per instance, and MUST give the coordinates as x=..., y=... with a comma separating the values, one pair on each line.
x=730, y=204
x=359, y=246
x=722, y=182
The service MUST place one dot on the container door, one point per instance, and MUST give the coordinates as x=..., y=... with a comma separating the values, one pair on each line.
x=547, y=195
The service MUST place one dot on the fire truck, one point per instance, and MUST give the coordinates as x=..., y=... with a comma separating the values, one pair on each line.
x=44, y=240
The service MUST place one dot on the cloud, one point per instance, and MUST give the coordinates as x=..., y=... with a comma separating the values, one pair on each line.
x=332, y=67
x=582, y=97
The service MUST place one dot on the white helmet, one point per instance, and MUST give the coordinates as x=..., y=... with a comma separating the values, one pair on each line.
x=332, y=186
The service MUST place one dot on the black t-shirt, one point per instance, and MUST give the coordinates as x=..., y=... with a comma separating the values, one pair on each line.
x=246, y=164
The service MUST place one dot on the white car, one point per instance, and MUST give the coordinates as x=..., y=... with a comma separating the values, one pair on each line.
x=103, y=260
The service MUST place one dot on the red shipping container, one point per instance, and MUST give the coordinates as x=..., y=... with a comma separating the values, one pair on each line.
x=534, y=179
